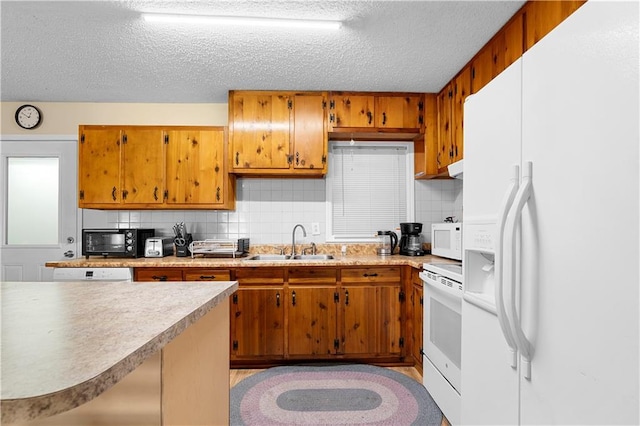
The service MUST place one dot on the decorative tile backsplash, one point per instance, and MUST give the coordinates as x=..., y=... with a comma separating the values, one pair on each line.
x=268, y=209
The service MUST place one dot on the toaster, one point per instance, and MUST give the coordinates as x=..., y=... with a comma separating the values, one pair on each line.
x=158, y=247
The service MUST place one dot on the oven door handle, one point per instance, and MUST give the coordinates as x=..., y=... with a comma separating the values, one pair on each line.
x=523, y=195
x=499, y=260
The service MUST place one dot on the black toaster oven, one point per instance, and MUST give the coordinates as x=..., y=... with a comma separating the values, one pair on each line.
x=115, y=242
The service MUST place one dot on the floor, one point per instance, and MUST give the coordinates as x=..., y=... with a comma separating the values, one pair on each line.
x=135, y=400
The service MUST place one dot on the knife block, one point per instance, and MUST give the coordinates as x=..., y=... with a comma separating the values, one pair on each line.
x=183, y=250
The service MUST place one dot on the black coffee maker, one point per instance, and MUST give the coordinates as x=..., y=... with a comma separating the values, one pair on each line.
x=411, y=239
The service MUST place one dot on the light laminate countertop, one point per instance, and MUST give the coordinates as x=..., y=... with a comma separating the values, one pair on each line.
x=64, y=343
x=207, y=262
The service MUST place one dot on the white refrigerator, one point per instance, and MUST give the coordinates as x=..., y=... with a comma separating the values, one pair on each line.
x=550, y=323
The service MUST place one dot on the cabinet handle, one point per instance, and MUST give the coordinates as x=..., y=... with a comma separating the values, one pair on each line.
x=278, y=300
x=384, y=118
x=370, y=116
x=346, y=297
x=371, y=275
x=293, y=298
x=124, y=194
x=438, y=160
x=207, y=277
x=159, y=278
x=218, y=194
x=297, y=158
x=155, y=193
x=237, y=158
x=113, y=193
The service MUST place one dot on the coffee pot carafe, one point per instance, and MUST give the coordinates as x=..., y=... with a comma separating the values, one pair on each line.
x=411, y=239
x=387, y=242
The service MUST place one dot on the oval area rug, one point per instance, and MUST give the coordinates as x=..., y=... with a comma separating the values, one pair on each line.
x=355, y=394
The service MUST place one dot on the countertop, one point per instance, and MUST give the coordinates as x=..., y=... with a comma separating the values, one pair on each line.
x=63, y=344
x=207, y=262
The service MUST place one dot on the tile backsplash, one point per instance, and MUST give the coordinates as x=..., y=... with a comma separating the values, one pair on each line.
x=268, y=209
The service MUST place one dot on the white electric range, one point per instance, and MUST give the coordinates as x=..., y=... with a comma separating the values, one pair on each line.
x=442, y=335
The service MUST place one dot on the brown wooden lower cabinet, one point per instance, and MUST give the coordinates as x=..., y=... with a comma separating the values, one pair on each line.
x=416, y=320
x=257, y=323
x=291, y=314
x=312, y=316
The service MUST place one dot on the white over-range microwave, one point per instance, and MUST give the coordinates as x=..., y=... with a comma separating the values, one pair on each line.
x=446, y=240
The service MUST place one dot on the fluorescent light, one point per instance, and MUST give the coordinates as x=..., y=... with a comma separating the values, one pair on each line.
x=245, y=21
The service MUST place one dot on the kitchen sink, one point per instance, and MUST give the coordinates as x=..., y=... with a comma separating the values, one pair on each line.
x=273, y=257
x=313, y=257
x=269, y=257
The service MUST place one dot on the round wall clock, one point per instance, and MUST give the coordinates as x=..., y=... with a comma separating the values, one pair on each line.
x=28, y=117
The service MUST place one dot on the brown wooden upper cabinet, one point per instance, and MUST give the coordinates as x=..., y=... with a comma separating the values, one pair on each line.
x=376, y=115
x=153, y=167
x=543, y=16
x=120, y=166
x=500, y=52
x=442, y=142
x=278, y=133
x=196, y=169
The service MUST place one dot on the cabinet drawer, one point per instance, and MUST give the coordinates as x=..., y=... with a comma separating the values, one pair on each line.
x=312, y=275
x=259, y=275
x=375, y=274
x=158, y=274
x=207, y=275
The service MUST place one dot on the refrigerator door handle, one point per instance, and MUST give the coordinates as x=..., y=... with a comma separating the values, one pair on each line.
x=523, y=195
x=503, y=320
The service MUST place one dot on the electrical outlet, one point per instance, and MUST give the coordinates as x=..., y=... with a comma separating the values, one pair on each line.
x=315, y=228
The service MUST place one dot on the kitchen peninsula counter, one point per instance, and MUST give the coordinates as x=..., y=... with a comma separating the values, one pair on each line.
x=65, y=343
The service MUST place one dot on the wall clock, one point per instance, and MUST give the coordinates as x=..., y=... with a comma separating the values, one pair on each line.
x=28, y=117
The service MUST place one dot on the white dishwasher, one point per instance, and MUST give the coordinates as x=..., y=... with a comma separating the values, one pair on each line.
x=93, y=274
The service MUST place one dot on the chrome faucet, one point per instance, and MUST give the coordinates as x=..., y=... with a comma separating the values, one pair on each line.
x=293, y=238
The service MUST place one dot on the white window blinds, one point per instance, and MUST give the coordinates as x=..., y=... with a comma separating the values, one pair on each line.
x=368, y=188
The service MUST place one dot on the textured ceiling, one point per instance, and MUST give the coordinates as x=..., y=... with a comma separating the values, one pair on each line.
x=102, y=51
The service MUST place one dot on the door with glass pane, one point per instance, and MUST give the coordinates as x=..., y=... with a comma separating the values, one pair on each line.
x=38, y=207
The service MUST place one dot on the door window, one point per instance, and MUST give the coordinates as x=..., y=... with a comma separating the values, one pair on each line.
x=32, y=200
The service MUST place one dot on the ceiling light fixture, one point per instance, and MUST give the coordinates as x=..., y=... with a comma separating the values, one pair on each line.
x=244, y=21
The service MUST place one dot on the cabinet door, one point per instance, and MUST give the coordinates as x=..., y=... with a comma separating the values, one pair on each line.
x=142, y=166
x=418, y=314
x=257, y=322
x=543, y=16
x=482, y=68
x=310, y=132
x=389, y=309
x=372, y=319
x=445, y=146
x=352, y=110
x=399, y=112
x=510, y=45
x=99, y=165
x=462, y=86
x=260, y=132
x=361, y=328
x=312, y=320
x=195, y=166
